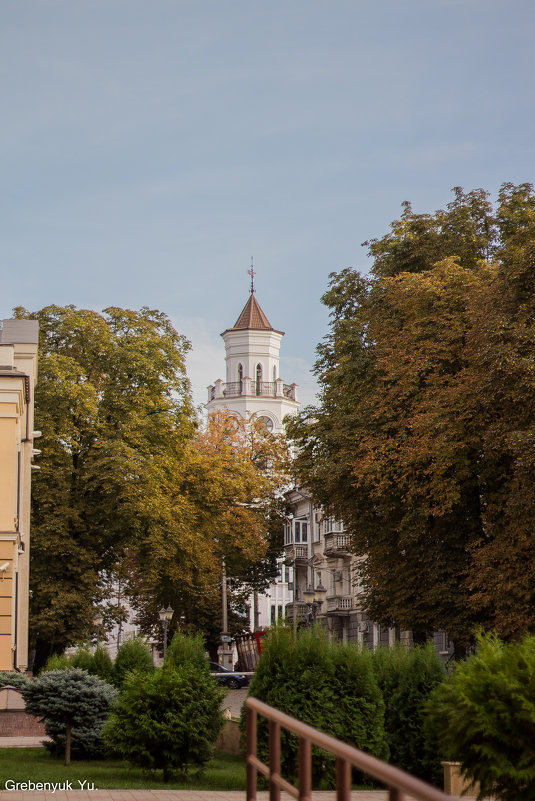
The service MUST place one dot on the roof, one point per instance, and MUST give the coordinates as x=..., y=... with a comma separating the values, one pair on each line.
x=19, y=332
x=252, y=317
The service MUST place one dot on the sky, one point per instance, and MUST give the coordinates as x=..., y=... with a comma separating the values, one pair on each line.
x=150, y=150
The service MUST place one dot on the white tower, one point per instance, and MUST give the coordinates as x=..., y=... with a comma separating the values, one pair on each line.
x=253, y=384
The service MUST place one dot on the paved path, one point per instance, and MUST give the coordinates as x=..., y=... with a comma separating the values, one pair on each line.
x=173, y=795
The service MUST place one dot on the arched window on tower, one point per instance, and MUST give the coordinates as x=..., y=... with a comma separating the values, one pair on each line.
x=258, y=379
x=240, y=378
x=274, y=373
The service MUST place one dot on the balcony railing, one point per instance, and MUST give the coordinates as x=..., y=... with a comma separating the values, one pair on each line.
x=264, y=389
x=295, y=554
x=399, y=784
x=340, y=603
x=301, y=611
x=336, y=544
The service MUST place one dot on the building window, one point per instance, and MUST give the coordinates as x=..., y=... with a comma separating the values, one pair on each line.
x=258, y=379
x=240, y=372
x=300, y=531
x=273, y=618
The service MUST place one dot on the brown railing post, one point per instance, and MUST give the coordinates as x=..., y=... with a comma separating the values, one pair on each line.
x=251, y=728
x=274, y=760
x=343, y=779
x=305, y=769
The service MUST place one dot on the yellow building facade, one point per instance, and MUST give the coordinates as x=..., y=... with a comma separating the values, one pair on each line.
x=18, y=374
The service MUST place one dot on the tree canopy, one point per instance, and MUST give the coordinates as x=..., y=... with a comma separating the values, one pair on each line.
x=129, y=485
x=422, y=440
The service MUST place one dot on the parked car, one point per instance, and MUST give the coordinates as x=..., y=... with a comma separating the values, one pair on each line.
x=226, y=677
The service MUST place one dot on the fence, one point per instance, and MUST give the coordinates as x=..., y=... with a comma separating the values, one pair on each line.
x=397, y=781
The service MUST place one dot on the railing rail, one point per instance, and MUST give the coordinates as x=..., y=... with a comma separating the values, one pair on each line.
x=397, y=781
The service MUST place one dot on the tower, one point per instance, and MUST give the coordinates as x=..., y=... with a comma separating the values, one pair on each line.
x=253, y=386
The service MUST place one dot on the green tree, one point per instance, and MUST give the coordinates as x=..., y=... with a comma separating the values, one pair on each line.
x=74, y=706
x=422, y=439
x=113, y=404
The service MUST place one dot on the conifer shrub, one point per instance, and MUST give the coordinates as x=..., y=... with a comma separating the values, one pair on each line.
x=167, y=720
x=187, y=648
x=74, y=706
x=406, y=678
x=56, y=662
x=133, y=656
x=98, y=663
x=484, y=717
x=12, y=678
x=328, y=685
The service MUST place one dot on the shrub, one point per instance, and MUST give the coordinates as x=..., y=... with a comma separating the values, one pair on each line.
x=57, y=662
x=484, y=717
x=187, y=648
x=74, y=706
x=406, y=679
x=134, y=656
x=13, y=678
x=97, y=663
x=327, y=684
x=167, y=720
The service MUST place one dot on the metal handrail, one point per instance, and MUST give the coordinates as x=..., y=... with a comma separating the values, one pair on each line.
x=397, y=781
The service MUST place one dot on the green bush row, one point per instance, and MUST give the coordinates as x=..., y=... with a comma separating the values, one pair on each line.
x=133, y=655
x=372, y=700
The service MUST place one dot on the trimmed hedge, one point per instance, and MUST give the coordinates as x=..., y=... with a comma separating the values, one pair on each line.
x=406, y=678
x=325, y=683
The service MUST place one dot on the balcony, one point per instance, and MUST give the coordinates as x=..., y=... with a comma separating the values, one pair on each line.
x=296, y=554
x=301, y=611
x=340, y=605
x=248, y=387
x=336, y=545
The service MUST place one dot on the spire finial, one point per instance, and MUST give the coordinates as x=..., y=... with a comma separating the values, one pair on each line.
x=252, y=273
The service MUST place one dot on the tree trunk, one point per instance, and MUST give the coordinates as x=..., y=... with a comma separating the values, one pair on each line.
x=68, y=743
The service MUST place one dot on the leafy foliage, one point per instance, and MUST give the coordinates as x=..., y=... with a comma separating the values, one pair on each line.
x=133, y=656
x=74, y=706
x=406, y=678
x=227, y=508
x=167, y=720
x=484, y=717
x=325, y=683
x=113, y=405
x=423, y=440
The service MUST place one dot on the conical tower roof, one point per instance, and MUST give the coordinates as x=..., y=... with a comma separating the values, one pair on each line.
x=252, y=317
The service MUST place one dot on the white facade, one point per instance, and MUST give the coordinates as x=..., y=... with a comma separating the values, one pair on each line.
x=253, y=385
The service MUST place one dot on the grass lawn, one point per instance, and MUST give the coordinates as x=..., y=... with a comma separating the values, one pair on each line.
x=224, y=772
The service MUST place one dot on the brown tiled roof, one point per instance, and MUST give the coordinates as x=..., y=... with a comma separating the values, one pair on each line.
x=252, y=316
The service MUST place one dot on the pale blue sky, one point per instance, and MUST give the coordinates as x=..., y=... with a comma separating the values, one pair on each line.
x=149, y=149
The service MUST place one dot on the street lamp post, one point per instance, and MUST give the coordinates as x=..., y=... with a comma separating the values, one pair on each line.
x=97, y=623
x=314, y=599
x=165, y=617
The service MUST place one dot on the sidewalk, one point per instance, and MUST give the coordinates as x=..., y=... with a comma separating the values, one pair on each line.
x=173, y=795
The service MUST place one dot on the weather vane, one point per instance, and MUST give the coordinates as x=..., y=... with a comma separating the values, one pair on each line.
x=252, y=273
